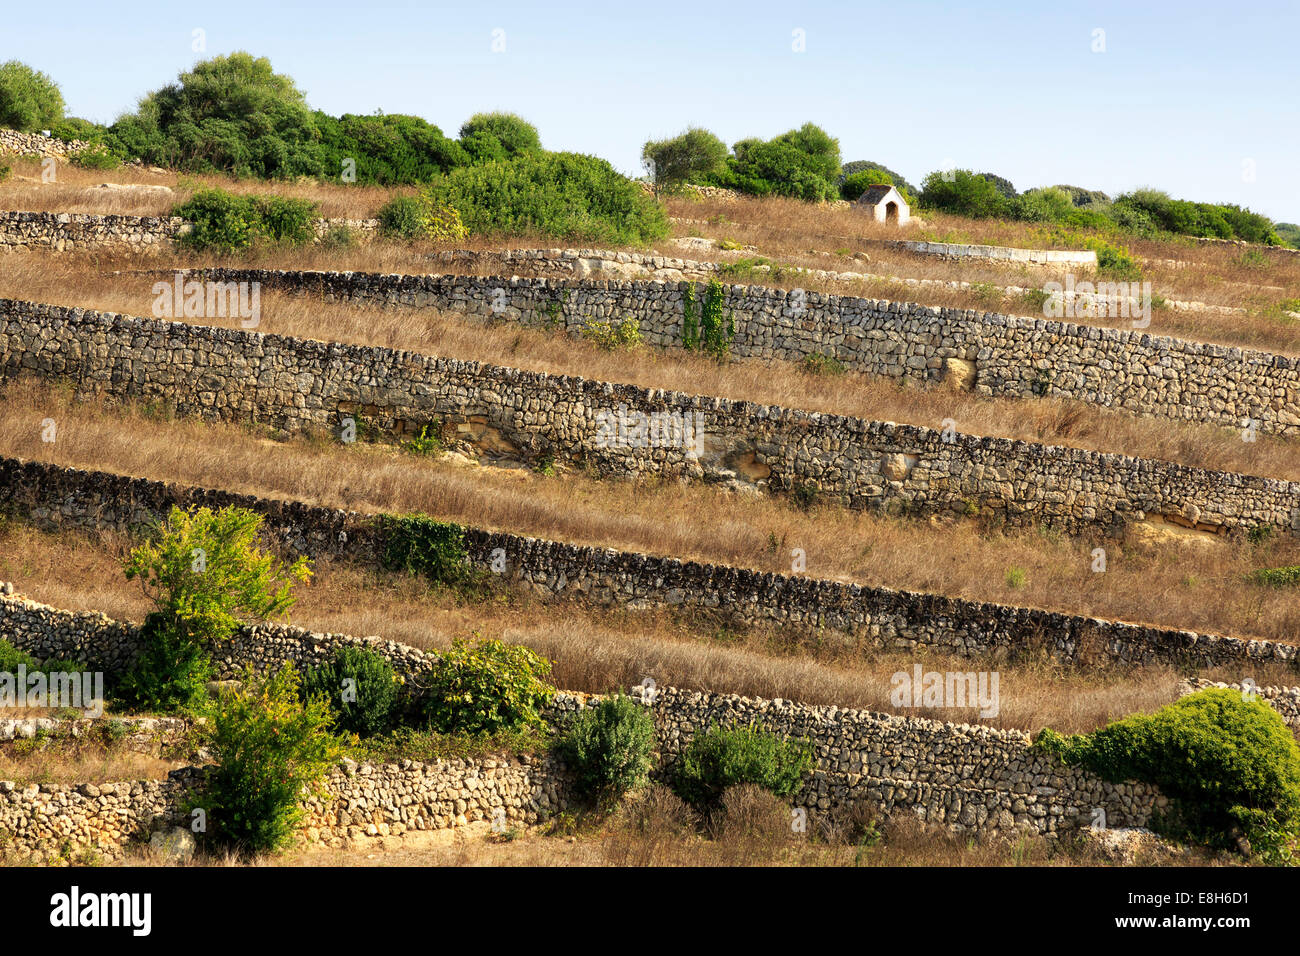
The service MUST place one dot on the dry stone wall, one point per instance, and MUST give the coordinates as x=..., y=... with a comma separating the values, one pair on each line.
x=960, y=776
x=61, y=498
x=35, y=144
x=68, y=232
x=623, y=430
x=956, y=775
x=1123, y=368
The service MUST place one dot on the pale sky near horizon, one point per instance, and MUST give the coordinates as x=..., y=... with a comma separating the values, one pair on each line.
x=1196, y=98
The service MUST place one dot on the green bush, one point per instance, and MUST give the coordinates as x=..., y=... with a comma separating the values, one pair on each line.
x=803, y=163
x=361, y=688
x=5, y=171
x=565, y=195
x=96, y=157
x=417, y=217
x=689, y=157
x=268, y=746
x=964, y=193
x=205, y=571
x=418, y=544
x=860, y=165
x=170, y=674
x=609, y=748
x=719, y=757
x=11, y=658
x=385, y=150
x=855, y=185
x=486, y=688
x=1114, y=261
x=226, y=222
x=29, y=100
x=1222, y=760
x=489, y=137
x=1277, y=577
x=603, y=333
x=229, y=113
x=206, y=575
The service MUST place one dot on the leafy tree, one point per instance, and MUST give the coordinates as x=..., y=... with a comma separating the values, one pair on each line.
x=205, y=572
x=230, y=113
x=497, y=136
x=855, y=185
x=858, y=165
x=268, y=746
x=29, y=100
x=691, y=156
x=963, y=193
x=384, y=149
x=1003, y=185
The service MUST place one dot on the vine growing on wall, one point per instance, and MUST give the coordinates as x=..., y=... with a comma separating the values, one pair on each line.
x=705, y=328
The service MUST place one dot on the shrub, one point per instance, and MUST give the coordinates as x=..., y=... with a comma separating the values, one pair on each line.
x=96, y=157
x=1015, y=577
x=487, y=688
x=718, y=758
x=493, y=136
x=361, y=688
x=964, y=193
x=1277, y=577
x=1224, y=762
x=268, y=745
x=802, y=163
x=818, y=364
x=558, y=194
x=1114, y=261
x=609, y=748
x=29, y=100
x=855, y=185
x=611, y=337
x=385, y=149
x=418, y=544
x=859, y=165
x=230, y=113
x=225, y=222
x=5, y=171
x=169, y=675
x=11, y=658
x=205, y=572
x=418, y=217
x=692, y=156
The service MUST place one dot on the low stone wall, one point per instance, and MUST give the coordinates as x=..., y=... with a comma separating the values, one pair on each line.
x=576, y=263
x=956, y=250
x=82, y=232
x=147, y=735
x=1285, y=700
x=956, y=775
x=58, y=498
x=990, y=353
x=623, y=430
x=959, y=776
x=47, y=823
x=34, y=144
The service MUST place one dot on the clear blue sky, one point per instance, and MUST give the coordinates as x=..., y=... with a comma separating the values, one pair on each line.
x=1184, y=97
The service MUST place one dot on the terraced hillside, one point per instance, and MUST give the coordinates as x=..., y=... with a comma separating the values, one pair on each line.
x=899, y=535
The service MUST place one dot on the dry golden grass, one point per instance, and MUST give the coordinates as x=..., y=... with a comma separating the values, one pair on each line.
x=77, y=760
x=793, y=232
x=799, y=234
x=1072, y=423
x=1188, y=586
x=599, y=649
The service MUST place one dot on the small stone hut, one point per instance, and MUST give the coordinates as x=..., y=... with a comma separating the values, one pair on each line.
x=885, y=204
